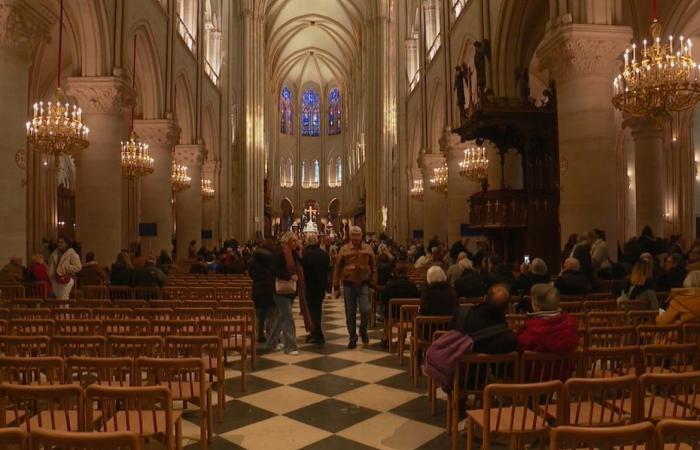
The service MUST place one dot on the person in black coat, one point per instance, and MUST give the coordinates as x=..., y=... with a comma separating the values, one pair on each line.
x=498, y=272
x=572, y=281
x=470, y=284
x=260, y=271
x=531, y=274
x=316, y=265
x=438, y=298
x=673, y=273
x=459, y=247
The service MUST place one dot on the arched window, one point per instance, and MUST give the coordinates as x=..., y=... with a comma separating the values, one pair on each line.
x=311, y=113
x=287, y=173
x=334, y=112
x=286, y=111
x=339, y=172
x=304, y=174
x=317, y=173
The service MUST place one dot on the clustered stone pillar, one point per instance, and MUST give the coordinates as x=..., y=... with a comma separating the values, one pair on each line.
x=434, y=203
x=156, y=193
x=649, y=169
x=188, y=203
x=22, y=28
x=99, y=195
x=583, y=59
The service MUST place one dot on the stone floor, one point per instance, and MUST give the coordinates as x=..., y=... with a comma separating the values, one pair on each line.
x=328, y=397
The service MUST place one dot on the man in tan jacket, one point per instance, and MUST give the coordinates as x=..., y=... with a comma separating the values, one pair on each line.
x=356, y=269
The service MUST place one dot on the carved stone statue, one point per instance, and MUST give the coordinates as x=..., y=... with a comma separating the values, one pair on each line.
x=460, y=77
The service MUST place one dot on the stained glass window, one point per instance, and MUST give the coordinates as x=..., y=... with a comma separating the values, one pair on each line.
x=317, y=172
x=339, y=174
x=286, y=111
x=311, y=113
x=334, y=112
x=304, y=175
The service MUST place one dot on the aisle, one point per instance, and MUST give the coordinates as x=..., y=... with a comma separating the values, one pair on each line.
x=328, y=397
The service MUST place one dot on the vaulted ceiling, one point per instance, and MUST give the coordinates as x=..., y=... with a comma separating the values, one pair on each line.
x=314, y=41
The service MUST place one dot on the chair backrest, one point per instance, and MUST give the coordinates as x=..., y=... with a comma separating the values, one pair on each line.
x=516, y=322
x=639, y=436
x=208, y=348
x=11, y=291
x=425, y=326
x=611, y=362
x=71, y=313
x=126, y=327
x=112, y=313
x=38, y=370
x=192, y=313
x=599, y=305
x=571, y=306
x=14, y=438
x=691, y=333
x=634, y=305
x=394, y=308
x=25, y=346
x=670, y=396
x=184, y=377
x=236, y=304
x=31, y=313
x=519, y=398
x=76, y=440
x=120, y=292
x=407, y=313
x=606, y=319
x=231, y=332
x=171, y=327
x=86, y=371
x=78, y=327
x=134, y=346
x=130, y=303
x=473, y=372
x=43, y=406
x=65, y=346
x=600, y=402
x=32, y=327
x=157, y=304
x=671, y=358
x=93, y=303
x=611, y=336
x=542, y=367
x=152, y=313
x=94, y=293
x=678, y=434
x=146, y=293
x=140, y=404
x=175, y=293
x=647, y=317
x=202, y=293
x=659, y=334
x=210, y=304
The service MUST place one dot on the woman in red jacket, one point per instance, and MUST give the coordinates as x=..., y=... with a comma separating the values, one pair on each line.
x=548, y=330
x=39, y=273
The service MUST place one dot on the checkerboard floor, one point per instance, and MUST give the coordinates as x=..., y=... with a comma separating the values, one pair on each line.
x=328, y=397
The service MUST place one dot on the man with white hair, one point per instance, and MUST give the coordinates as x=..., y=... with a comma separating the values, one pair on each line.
x=356, y=269
x=572, y=281
x=457, y=269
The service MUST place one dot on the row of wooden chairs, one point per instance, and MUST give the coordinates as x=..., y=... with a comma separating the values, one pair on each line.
x=668, y=434
x=120, y=303
x=184, y=292
x=62, y=440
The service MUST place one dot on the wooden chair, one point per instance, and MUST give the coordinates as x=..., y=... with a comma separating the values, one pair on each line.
x=202, y=293
x=86, y=371
x=25, y=346
x=4, y=326
x=647, y=317
x=235, y=304
x=611, y=362
x=13, y=438
x=146, y=411
x=130, y=303
x=126, y=327
x=134, y=346
x=152, y=313
x=172, y=327
x=55, y=407
x=78, y=327
x=639, y=436
x=659, y=334
x=112, y=313
x=571, y=306
x=671, y=358
x=93, y=303
x=473, y=372
x=691, y=333
x=599, y=305
x=146, y=293
x=634, y=305
x=71, y=313
x=32, y=327
x=175, y=293
x=30, y=313
x=600, y=402
x=11, y=291
x=192, y=314
x=65, y=346
x=31, y=371
x=392, y=317
x=233, y=338
x=94, y=293
x=678, y=434
x=76, y=440
x=170, y=304
x=186, y=381
x=22, y=302
x=407, y=314
x=422, y=337
x=606, y=319
x=516, y=322
x=210, y=350
x=522, y=419
x=248, y=316
x=611, y=336
x=208, y=304
x=120, y=293
x=541, y=367
x=670, y=396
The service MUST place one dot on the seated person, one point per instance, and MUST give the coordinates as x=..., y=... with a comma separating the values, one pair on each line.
x=548, y=330
x=640, y=285
x=531, y=274
x=455, y=270
x=683, y=304
x=398, y=286
x=470, y=284
x=673, y=273
x=438, y=298
x=92, y=273
x=498, y=272
x=572, y=281
x=13, y=272
x=199, y=266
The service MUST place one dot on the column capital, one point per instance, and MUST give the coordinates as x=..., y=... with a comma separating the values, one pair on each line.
x=450, y=141
x=191, y=155
x=160, y=132
x=22, y=28
x=432, y=160
x=643, y=127
x=572, y=50
x=101, y=95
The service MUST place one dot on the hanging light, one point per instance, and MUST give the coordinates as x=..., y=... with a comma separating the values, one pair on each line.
x=438, y=182
x=136, y=162
x=658, y=77
x=179, y=179
x=207, y=190
x=475, y=164
x=417, y=190
x=56, y=126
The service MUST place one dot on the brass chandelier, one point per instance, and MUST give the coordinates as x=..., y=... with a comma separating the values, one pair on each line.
x=179, y=179
x=56, y=126
x=658, y=77
x=475, y=164
x=207, y=190
x=438, y=182
x=417, y=190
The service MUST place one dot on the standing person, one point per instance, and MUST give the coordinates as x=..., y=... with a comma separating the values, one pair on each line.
x=286, y=268
x=38, y=272
x=316, y=267
x=260, y=270
x=357, y=270
x=64, y=263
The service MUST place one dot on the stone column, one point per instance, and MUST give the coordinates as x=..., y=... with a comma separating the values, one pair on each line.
x=210, y=208
x=188, y=203
x=583, y=59
x=156, y=193
x=99, y=196
x=459, y=188
x=434, y=203
x=22, y=28
x=649, y=170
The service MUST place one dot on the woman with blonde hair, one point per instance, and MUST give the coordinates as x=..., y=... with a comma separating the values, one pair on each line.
x=289, y=276
x=641, y=285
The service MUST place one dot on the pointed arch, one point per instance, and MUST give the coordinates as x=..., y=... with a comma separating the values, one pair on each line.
x=149, y=72
x=210, y=133
x=184, y=109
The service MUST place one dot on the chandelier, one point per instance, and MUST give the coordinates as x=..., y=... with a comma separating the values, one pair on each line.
x=207, y=190
x=475, y=164
x=659, y=77
x=136, y=161
x=438, y=182
x=179, y=178
x=417, y=190
x=56, y=127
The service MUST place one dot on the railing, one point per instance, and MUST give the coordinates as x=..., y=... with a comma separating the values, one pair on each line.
x=186, y=36
x=434, y=48
x=414, y=82
x=213, y=76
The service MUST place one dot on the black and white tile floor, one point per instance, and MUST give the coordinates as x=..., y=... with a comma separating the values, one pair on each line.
x=327, y=397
